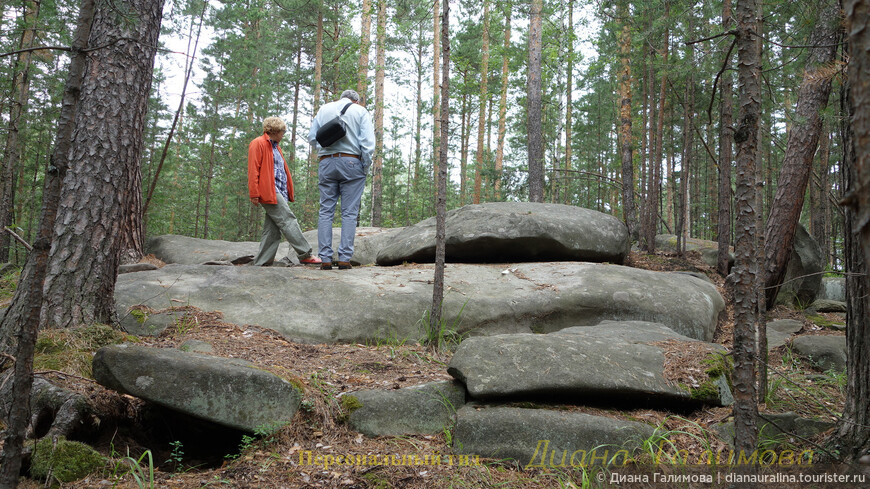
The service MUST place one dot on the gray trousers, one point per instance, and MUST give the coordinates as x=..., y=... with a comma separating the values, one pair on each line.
x=339, y=178
x=280, y=220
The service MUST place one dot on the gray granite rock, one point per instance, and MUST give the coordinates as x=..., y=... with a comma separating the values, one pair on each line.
x=534, y=436
x=827, y=351
x=419, y=410
x=141, y=323
x=229, y=392
x=511, y=232
x=803, y=278
x=136, y=267
x=775, y=428
x=832, y=288
x=612, y=363
x=826, y=305
x=709, y=249
x=379, y=302
x=780, y=330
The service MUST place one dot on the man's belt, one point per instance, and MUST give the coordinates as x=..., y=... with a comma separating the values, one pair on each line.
x=340, y=155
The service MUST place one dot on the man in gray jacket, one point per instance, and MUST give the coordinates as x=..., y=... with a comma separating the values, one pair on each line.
x=342, y=174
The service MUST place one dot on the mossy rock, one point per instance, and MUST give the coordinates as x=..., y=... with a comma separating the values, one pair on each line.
x=349, y=404
x=71, y=349
x=67, y=461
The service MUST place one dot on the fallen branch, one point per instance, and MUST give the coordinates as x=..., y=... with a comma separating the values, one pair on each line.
x=19, y=239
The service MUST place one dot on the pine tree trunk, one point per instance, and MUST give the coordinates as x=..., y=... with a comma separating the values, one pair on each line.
x=365, y=45
x=378, y=164
x=569, y=108
x=726, y=142
x=626, y=143
x=745, y=283
x=19, y=326
x=852, y=438
x=481, y=119
x=502, y=104
x=535, y=109
x=441, y=192
x=106, y=151
x=819, y=196
x=311, y=198
x=463, y=143
x=17, y=120
x=436, y=88
x=655, y=182
x=803, y=141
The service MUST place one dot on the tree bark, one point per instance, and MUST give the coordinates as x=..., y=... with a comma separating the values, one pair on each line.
x=436, y=88
x=441, y=192
x=105, y=157
x=378, y=163
x=481, y=120
x=502, y=104
x=626, y=141
x=21, y=322
x=803, y=141
x=819, y=187
x=852, y=438
x=745, y=282
x=535, y=109
x=365, y=45
x=726, y=143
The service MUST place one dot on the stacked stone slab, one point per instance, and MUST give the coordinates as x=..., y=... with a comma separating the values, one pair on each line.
x=612, y=364
x=505, y=232
x=230, y=392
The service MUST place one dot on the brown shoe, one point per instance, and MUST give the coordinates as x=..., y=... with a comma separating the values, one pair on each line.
x=344, y=265
x=327, y=265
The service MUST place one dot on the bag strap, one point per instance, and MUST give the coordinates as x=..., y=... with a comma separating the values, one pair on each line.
x=346, y=106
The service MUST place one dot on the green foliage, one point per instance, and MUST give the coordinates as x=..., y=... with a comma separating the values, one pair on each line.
x=8, y=283
x=64, y=461
x=824, y=322
x=349, y=403
x=446, y=334
x=140, y=469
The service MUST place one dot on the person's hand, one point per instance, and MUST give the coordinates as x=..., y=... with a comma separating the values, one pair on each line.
x=255, y=201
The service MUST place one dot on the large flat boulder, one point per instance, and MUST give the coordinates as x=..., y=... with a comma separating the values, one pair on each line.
x=185, y=250
x=418, y=410
x=612, y=363
x=532, y=436
x=229, y=392
x=505, y=232
x=375, y=303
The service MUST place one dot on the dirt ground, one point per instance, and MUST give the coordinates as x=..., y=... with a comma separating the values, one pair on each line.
x=282, y=459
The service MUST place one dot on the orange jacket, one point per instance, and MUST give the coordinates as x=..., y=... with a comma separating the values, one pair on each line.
x=261, y=171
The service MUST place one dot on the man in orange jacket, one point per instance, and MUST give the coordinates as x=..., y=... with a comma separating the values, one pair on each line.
x=270, y=184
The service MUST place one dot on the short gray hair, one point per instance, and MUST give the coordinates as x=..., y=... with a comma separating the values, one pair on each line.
x=350, y=94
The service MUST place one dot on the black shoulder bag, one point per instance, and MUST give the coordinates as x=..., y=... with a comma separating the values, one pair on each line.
x=333, y=130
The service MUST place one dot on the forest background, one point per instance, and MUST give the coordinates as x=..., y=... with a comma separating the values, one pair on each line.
x=258, y=58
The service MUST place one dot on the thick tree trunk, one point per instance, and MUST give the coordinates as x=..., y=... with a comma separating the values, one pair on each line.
x=745, y=284
x=502, y=104
x=535, y=109
x=106, y=151
x=655, y=182
x=626, y=142
x=726, y=143
x=803, y=141
x=17, y=120
x=378, y=164
x=21, y=322
x=852, y=438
